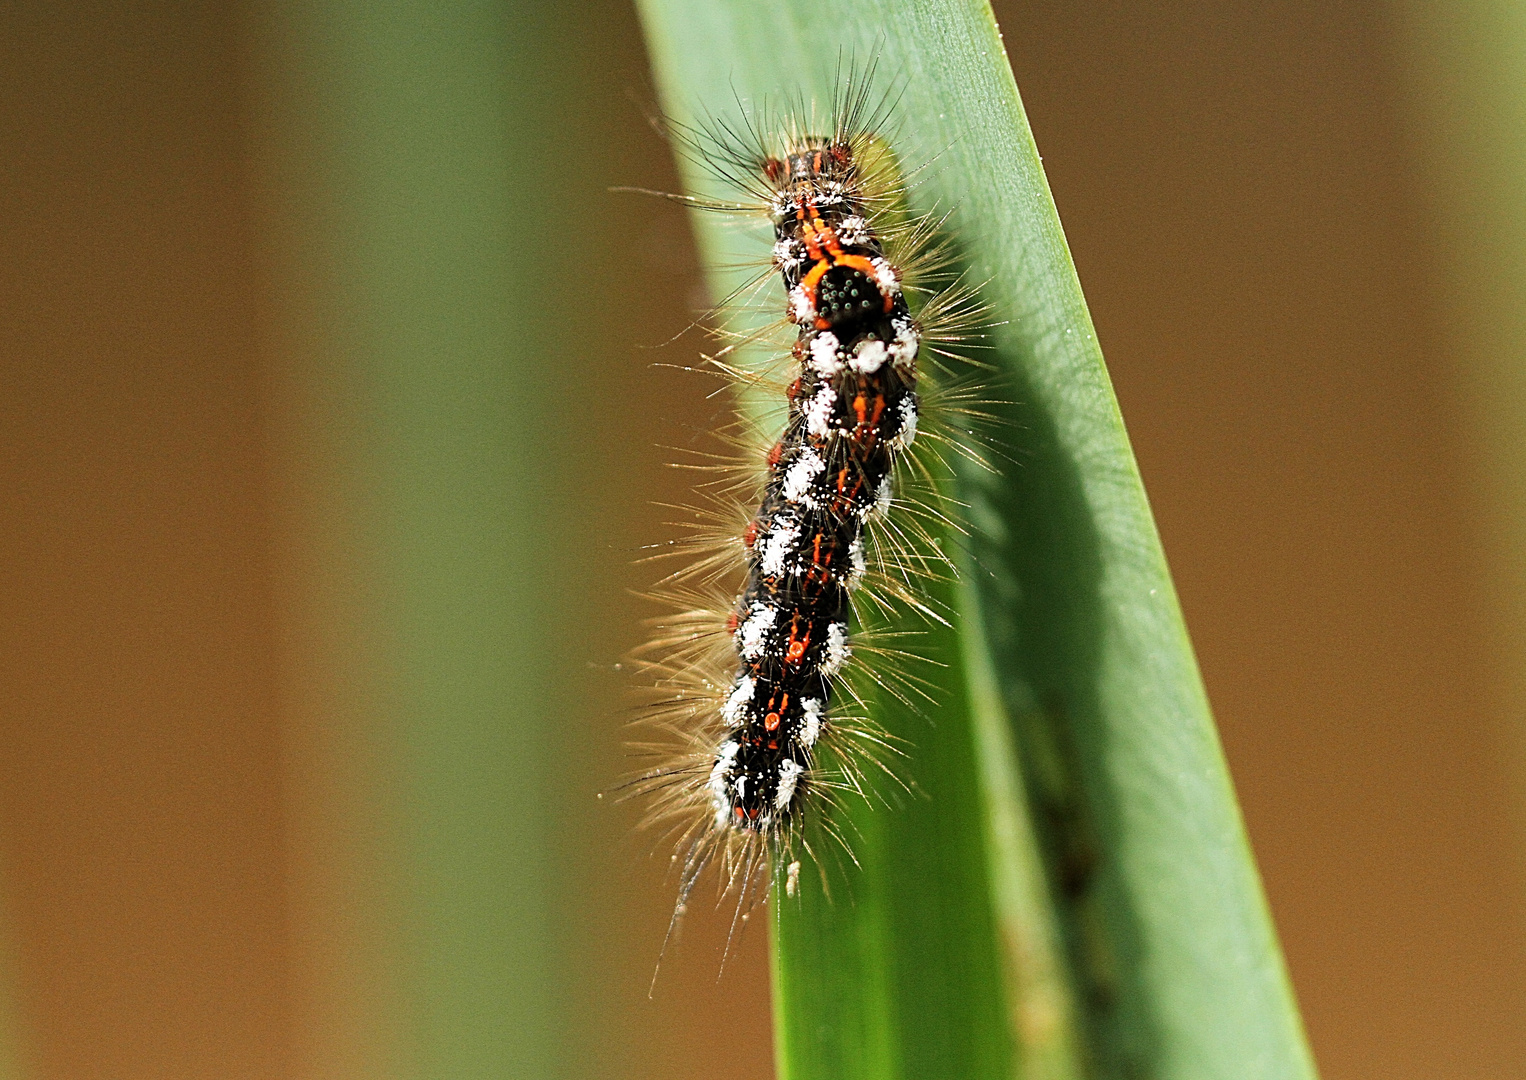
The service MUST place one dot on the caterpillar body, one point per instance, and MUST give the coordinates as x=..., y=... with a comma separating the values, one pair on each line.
x=852, y=411
x=757, y=684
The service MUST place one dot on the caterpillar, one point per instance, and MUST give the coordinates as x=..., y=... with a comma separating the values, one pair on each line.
x=755, y=682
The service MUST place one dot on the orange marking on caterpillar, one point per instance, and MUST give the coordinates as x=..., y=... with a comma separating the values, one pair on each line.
x=845, y=496
x=771, y=721
x=820, y=242
x=795, y=651
x=865, y=420
x=812, y=280
x=808, y=232
x=820, y=566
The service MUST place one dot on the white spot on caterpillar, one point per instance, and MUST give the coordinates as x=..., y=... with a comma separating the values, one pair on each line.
x=882, y=499
x=792, y=878
x=824, y=359
x=908, y=432
x=718, y=794
x=830, y=194
x=869, y=357
x=856, y=562
x=884, y=277
x=787, y=254
x=853, y=230
x=752, y=635
x=777, y=545
x=740, y=698
x=789, y=776
x=818, y=412
x=810, y=725
x=800, y=307
x=904, y=349
x=797, y=482
x=837, y=649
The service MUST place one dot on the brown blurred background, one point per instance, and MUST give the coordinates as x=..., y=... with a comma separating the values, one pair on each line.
x=1246, y=211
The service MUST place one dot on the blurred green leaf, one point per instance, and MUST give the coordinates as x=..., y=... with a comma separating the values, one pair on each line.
x=444, y=405
x=1071, y=893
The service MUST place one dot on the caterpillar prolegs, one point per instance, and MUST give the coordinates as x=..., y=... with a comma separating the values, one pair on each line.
x=756, y=684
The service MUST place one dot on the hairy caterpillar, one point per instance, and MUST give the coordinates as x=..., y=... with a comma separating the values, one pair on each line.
x=831, y=520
